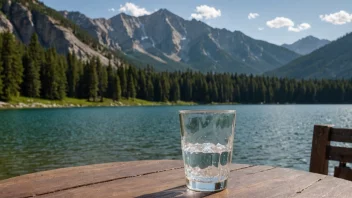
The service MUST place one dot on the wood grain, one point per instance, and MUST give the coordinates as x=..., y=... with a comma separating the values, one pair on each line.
x=329, y=187
x=343, y=173
x=56, y=180
x=166, y=179
x=341, y=154
x=152, y=185
x=341, y=135
x=271, y=183
x=318, y=162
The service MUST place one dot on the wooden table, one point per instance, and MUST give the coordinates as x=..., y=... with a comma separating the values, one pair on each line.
x=166, y=179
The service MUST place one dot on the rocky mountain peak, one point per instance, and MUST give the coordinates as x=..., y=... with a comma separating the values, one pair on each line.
x=306, y=45
x=169, y=42
x=164, y=13
x=310, y=37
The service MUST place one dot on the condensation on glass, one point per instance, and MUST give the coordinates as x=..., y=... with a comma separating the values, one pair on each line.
x=207, y=144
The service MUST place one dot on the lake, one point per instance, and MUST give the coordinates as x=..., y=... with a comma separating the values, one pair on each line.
x=42, y=139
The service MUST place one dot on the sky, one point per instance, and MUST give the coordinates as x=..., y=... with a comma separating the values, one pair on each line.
x=275, y=21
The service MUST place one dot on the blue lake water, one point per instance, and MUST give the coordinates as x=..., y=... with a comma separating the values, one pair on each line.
x=43, y=139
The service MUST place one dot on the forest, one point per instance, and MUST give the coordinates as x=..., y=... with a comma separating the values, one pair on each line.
x=35, y=72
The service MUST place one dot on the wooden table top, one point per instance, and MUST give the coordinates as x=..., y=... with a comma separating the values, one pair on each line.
x=166, y=178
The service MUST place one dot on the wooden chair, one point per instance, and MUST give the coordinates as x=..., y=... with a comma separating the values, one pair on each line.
x=322, y=151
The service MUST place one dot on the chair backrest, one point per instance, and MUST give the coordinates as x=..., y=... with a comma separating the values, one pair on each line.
x=322, y=151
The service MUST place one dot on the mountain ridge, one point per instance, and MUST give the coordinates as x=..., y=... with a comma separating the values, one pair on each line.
x=166, y=37
x=331, y=61
x=306, y=45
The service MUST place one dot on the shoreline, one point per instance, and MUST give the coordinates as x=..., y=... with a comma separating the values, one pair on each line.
x=37, y=103
x=123, y=103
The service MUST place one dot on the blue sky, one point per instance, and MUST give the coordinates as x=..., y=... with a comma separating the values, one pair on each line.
x=279, y=21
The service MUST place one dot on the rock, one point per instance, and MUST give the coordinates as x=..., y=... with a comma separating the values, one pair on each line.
x=22, y=19
x=162, y=38
x=24, y=22
x=99, y=28
x=5, y=24
x=22, y=105
x=6, y=6
x=3, y=103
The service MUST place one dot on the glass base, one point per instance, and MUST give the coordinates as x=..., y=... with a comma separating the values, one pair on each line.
x=206, y=187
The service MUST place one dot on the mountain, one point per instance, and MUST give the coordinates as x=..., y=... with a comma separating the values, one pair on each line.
x=169, y=42
x=306, y=45
x=331, y=61
x=25, y=17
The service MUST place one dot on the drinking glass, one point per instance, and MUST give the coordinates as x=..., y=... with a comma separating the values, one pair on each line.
x=207, y=143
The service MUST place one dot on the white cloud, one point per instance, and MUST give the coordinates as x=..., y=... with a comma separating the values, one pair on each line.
x=133, y=9
x=260, y=28
x=206, y=12
x=338, y=18
x=280, y=22
x=111, y=10
x=301, y=27
x=252, y=15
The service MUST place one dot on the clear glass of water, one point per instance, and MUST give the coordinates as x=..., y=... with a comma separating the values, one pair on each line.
x=207, y=144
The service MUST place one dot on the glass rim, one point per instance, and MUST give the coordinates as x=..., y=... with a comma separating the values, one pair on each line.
x=206, y=111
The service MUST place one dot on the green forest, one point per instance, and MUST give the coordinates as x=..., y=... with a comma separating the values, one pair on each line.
x=32, y=71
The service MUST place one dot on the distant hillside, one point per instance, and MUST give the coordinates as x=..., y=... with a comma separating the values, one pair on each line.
x=169, y=42
x=306, y=45
x=331, y=61
x=25, y=17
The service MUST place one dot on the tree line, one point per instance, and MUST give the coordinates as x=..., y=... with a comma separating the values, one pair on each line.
x=32, y=71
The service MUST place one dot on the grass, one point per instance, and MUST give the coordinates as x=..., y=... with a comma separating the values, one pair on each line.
x=84, y=102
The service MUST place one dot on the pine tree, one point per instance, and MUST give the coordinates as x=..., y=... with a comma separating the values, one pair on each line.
x=61, y=80
x=131, y=90
x=157, y=89
x=17, y=67
x=187, y=89
x=117, y=89
x=32, y=61
x=72, y=74
x=205, y=90
x=53, y=76
x=237, y=94
x=174, y=94
x=270, y=95
x=111, y=82
x=262, y=95
x=12, y=67
x=215, y=95
x=1, y=68
x=92, y=80
x=123, y=81
x=102, y=78
x=49, y=75
x=142, y=84
x=81, y=91
x=165, y=86
x=150, y=89
x=31, y=80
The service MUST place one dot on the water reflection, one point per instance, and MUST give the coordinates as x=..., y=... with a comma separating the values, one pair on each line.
x=43, y=139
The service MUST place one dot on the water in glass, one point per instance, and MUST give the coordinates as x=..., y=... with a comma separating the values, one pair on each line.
x=207, y=143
